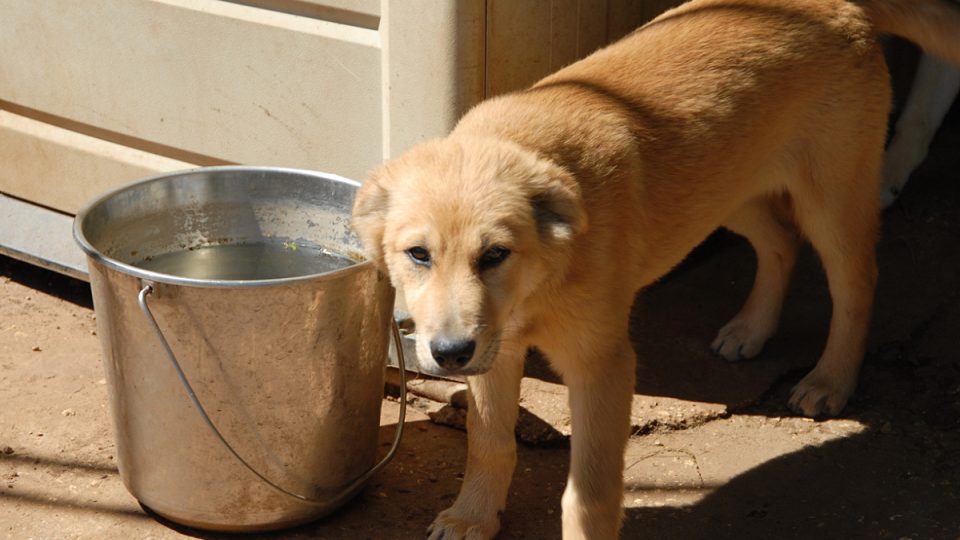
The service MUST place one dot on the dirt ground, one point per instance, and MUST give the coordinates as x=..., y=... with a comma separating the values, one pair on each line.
x=716, y=454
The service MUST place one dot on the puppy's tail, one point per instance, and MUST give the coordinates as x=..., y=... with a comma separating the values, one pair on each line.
x=934, y=25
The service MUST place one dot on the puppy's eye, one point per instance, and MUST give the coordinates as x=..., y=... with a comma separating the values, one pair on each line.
x=493, y=257
x=419, y=255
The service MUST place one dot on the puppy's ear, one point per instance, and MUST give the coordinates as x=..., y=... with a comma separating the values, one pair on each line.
x=557, y=204
x=369, y=216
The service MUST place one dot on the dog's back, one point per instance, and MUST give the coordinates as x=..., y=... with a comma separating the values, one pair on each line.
x=717, y=99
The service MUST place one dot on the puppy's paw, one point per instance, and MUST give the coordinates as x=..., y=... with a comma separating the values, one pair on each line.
x=740, y=340
x=900, y=162
x=451, y=524
x=819, y=394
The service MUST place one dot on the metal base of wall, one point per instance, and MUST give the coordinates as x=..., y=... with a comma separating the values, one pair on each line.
x=40, y=236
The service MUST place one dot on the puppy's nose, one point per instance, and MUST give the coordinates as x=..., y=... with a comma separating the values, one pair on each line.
x=452, y=353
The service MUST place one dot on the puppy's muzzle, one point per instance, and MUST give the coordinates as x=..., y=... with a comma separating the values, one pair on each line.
x=452, y=354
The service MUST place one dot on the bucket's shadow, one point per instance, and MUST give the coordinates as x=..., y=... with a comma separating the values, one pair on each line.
x=64, y=287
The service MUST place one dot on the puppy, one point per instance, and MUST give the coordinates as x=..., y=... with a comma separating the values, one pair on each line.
x=538, y=218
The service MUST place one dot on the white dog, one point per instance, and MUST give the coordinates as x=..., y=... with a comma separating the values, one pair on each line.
x=935, y=86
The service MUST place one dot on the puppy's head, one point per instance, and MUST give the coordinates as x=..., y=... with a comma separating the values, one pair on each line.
x=467, y=228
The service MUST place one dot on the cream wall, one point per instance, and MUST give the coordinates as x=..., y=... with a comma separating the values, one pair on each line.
x=97, y=93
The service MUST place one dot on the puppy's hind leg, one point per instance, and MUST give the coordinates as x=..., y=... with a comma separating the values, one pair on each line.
x=491, y=452
x=843, y=228
x=765, y=222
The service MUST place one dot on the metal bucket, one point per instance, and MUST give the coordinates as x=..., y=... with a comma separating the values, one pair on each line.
x=245, y=380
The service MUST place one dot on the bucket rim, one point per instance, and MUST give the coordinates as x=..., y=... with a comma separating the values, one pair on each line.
x=148, y=275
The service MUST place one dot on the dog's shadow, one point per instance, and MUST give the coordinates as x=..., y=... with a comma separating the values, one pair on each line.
x=673, y=322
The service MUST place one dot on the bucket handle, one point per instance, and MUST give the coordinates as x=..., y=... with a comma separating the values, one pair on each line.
x=351, y=486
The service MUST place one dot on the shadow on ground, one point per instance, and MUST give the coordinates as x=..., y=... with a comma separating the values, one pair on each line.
x=875, y=485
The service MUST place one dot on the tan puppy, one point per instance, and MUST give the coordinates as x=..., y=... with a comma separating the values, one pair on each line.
x=540, y=216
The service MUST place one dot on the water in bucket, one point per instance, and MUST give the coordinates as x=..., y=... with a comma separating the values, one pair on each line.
x=262, y=260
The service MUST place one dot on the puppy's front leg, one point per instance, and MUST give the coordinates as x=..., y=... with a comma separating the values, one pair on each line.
x=601, y=391
x=491, y=452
